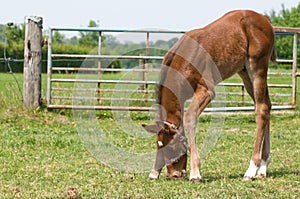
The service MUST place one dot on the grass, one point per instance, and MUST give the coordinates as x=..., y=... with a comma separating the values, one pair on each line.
x=43, y=156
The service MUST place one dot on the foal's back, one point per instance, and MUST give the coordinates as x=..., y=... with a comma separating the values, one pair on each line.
x=230, y=41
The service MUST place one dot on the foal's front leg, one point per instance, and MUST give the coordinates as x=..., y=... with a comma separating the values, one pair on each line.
x=158, y=165
x=190, y=120
x=200, y=100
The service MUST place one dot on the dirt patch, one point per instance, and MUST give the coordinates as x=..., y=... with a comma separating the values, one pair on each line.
x=72, y=192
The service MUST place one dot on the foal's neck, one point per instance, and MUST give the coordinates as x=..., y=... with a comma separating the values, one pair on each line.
x=171, y=107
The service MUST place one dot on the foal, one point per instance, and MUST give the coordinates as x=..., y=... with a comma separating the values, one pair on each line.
x=239, y=42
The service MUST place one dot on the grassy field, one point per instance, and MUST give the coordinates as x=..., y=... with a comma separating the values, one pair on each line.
x=43, y=156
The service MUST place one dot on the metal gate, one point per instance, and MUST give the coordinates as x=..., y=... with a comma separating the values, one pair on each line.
x=96, y=86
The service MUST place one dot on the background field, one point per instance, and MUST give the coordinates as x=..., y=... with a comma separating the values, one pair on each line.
x=42, y=156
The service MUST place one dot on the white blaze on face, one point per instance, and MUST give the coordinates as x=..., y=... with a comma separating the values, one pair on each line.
x=160, y=144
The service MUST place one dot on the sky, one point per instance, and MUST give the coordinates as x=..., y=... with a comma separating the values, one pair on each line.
x=132, y=14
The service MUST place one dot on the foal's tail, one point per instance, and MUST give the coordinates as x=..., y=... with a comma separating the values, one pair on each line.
x=274, y=51
x=273, y=54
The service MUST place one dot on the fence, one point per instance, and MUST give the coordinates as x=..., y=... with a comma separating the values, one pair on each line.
x=91, y=87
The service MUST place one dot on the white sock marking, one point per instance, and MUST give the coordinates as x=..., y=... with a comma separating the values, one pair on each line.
x=195, y=175
x=251, y=171
x=262, y=170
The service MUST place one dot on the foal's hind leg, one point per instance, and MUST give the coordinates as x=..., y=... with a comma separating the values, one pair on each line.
x=261, y=171
x=200, y=100
x=265, y=155
x=255, y=80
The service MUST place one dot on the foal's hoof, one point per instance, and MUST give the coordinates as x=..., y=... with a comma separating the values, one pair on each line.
x=248, y=178
x=154, y=175
x=195, y=176
x=260, y=176
x=195, y=179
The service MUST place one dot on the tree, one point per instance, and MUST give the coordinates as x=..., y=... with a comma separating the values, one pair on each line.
x=58, y=37
x=110, y=41
x=72, y=41
x=15, y=34
x=89, y=38
x=285, y=18
x=12, y=45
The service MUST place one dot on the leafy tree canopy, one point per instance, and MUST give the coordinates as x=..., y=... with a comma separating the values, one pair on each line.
x=285, y=18
x=12, y=41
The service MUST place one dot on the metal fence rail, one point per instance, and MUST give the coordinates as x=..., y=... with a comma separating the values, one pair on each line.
x=87, y=87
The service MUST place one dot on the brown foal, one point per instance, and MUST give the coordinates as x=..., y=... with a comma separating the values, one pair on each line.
x=240, y=42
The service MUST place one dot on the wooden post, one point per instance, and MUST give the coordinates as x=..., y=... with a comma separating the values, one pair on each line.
x=32, y=63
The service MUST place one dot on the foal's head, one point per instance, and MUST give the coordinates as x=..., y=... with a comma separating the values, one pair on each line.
x=172, y=145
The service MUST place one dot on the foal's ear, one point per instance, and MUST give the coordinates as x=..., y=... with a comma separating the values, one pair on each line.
x=153, y=128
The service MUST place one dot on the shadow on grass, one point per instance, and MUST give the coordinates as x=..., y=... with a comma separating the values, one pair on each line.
x=208, y=179
x=272, y=174
x=281, y=173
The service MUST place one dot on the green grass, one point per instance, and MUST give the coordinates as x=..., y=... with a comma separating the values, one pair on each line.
x=42, y=155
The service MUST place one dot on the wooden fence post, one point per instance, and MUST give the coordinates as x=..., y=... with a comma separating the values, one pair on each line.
x=32, y=62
